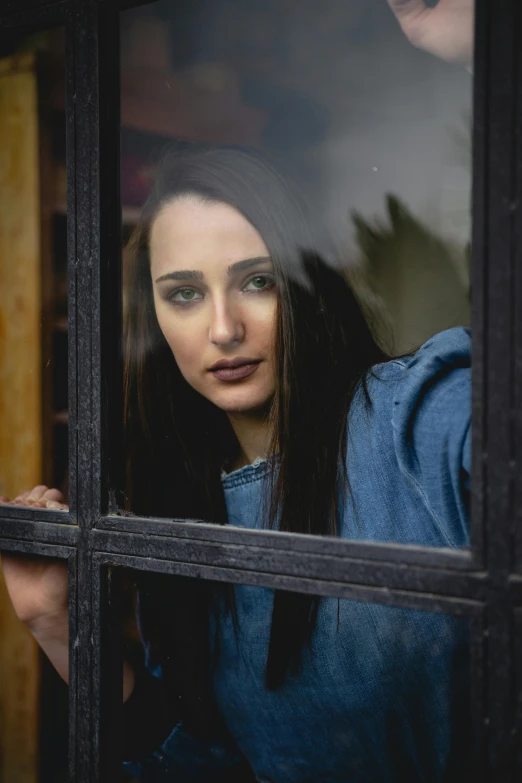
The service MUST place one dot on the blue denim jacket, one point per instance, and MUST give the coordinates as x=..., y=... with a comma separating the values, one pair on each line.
x=383, y=693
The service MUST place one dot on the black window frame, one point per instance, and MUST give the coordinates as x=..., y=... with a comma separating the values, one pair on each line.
x=483, y=583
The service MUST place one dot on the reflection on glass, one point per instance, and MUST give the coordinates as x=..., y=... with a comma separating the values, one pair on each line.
x=295, y=192
x=33, y=281
x=294, y=688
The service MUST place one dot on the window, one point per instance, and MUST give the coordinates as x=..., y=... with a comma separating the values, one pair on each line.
x=475, y=587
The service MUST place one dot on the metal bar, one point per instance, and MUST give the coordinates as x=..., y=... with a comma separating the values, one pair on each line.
x=86, y=185
x=106, y=453
x=479, y=245
x=516, y=464
x=40, y=516
x=86, y=161
x=107, y=671
x=479, y=721
x=517, y=728
x=499, y=312
x=499, y=26
x=499, y=680
x=72, y=337
x=73, y=664
x=244, y=559
x=460, y=607
x=83, y=732
x=98, y=605
x=182, y=529
x=107, y=351
x=36, y=548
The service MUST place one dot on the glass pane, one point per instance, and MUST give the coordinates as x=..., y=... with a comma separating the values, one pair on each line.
x=33, y=698
x=33, y=267
x=295, y=194
x=249, y=686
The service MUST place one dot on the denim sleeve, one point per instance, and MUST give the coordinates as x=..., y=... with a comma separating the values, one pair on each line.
x=432, y=429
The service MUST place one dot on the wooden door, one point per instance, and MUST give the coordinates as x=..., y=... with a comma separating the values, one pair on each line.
x=20, y=390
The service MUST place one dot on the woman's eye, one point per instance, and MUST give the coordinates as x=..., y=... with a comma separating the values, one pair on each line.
x=260, y=283
x=183, y=295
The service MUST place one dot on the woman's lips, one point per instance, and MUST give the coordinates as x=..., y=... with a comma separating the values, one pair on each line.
x=235, y=373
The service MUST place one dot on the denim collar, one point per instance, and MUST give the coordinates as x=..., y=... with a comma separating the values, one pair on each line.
x=248, y=474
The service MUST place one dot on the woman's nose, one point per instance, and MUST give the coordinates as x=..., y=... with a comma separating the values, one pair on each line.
x=226, y=327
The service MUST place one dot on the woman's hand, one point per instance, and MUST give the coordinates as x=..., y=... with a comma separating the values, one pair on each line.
x=445, y=30
x=37, y=586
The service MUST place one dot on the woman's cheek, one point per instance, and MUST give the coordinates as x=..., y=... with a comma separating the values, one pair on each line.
x=181, y=338
x=264, y=322
x=184, y=346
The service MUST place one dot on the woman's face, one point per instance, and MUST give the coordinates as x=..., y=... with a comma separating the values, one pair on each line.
x=215, y=299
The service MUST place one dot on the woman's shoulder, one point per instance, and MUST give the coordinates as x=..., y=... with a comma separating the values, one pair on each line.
x=428, y=387
x=441, y=353
x=403, y=381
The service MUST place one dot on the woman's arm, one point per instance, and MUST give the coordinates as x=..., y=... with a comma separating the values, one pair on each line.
x=446, y=30
x=38, y=589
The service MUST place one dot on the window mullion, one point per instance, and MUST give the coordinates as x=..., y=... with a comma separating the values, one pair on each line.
x=83, y=103
x=498, y=38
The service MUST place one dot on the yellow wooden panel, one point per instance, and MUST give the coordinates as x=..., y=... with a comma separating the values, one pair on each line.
x=20, y=359
x=20, y=391
x=19, y=683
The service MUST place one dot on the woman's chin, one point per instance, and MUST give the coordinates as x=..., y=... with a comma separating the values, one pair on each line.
x=242, y=403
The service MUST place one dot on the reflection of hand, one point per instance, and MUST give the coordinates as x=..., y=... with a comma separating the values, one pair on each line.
x=39, y=497
x=445, y=30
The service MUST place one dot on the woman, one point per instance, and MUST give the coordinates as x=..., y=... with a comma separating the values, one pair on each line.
x=255, y=394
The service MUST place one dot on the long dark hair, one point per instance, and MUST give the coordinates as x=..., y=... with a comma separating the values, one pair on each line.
x=178, y=442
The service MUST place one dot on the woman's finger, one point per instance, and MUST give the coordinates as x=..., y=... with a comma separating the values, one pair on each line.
x=414, y=18
x=37, y=492
x=53, y=494
x=406, y=10
x=22, y=497
x=57, y=506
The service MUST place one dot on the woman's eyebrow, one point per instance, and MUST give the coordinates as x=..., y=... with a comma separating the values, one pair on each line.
x=246, y=264
x=182, y=274
x=194, y=274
